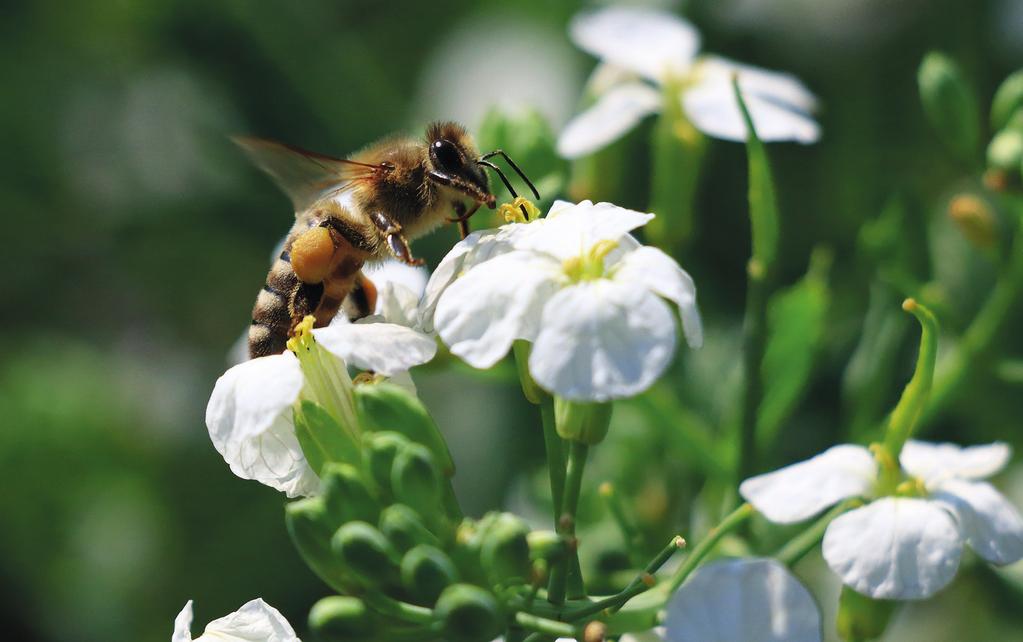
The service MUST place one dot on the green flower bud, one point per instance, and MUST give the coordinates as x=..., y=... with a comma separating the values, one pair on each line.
x=366, y=553
x=582, y=421
x=974, y=219
x=378, y=453
x=468, y=541
x=425, y=572
x=346, y=496
x=403, y=527
x=862, y=618
x=385, y=406
x=311, y=529
x=416, y=480
x=545, y=545
x=1008, y=99
x=341, y=618
x=469, y=614
x=949, y=104
x=504, y=551
x=1005, y=151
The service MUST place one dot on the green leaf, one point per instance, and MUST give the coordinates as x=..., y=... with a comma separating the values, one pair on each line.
x=796, y=318
x=322, y=438
x=763, y=201
x=950, y=104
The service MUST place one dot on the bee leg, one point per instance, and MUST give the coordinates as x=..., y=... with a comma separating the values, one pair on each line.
x=462, y=218
x=396, y=242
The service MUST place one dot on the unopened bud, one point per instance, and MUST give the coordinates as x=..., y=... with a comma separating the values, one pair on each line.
x=505, y=551
x=974, y=219
x=861, y=617
x=949, y=103
x=582, y=421
x=595, y=632
x=378, y=453
x=416, y=480
x=1007, y=101
x=425, y=572
x=341, y=618
x=403, y=527
x=346, y=496
x=366, y=552
x=386, y=406
x=469, y=614
x=311, y=530
x=1005, y=151
x=545, y=545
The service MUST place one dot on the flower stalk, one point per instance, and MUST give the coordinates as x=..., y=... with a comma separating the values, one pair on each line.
x=734, y=519
x=567, y=570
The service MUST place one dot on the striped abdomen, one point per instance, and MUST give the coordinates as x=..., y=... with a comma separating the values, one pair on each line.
x=285, y=300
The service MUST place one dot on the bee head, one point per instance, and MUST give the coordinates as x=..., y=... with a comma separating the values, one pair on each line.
x=454, y=162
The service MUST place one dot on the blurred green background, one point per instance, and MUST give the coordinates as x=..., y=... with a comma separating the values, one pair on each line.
x=136, y=237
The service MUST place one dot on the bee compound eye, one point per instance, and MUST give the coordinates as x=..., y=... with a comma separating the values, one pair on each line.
x=446, y=155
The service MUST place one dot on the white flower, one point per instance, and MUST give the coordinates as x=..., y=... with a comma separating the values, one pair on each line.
x=639, y=46
x=754, y=600
x=256, y=621
x=899, y=547
x=399, y=288
x=250, y=412
x=579, y=287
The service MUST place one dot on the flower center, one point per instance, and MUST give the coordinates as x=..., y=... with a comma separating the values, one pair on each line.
x=520, y=210
x=327, y=381
x=590, y=265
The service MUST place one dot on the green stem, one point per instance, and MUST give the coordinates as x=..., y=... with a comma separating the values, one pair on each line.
x=911, y=405
x=642, y=582
x=978, y=342
x=555, y=455
x=754, y=331
x=395, y=608
x=544, y=626
x=565, y=526
x=803, y=543
x=621, y=517
x=729, y=523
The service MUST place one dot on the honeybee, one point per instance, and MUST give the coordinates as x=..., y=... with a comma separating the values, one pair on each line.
x=363, y=208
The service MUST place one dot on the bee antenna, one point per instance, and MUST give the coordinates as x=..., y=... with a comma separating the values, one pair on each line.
x=522, y=175
x=504, y=179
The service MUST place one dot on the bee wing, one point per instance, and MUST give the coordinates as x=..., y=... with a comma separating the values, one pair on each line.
x=306, y=177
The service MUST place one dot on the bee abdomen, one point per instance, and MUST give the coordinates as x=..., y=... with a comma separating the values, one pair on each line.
x=271, y=317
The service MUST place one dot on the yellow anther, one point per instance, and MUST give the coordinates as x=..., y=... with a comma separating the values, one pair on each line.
x=303, y=336
x=517, y=211
x=591, y=264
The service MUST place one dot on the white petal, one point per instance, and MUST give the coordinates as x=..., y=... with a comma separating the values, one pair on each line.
x=649, y=42
x=605, y=76
x=894, y=548
x=778, y=104
x=496, y=302
x=397, y=304
x=608, y=119
x=252, y=395
x=651, y=268
x=474, y=249
x=250, y=422
x=183, y=624
x=777, y=87
x=256, y=621
x=749, y=600
x=392, y=271
x=935, y=463
x=802, y=490
x=602, y=340
x=385, y=348
x=990, y=524
x=577, y=229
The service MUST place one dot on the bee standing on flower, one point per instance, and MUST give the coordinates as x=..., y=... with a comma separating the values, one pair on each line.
x=351, y=211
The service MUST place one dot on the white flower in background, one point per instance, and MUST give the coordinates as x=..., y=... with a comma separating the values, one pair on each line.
x=754, y=600
x=256, y=621
x=250, y=413
x=644, y=50
x=576, y=285
x=899, y=547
